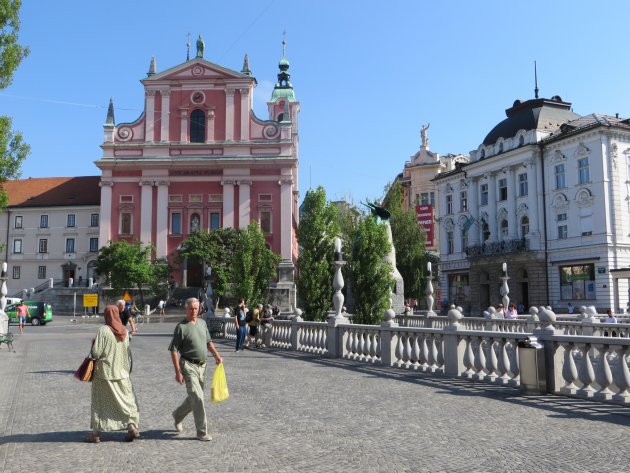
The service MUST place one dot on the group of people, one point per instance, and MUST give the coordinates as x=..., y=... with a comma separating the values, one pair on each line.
x=502, y=313
x=114, y=406
x=252, y=325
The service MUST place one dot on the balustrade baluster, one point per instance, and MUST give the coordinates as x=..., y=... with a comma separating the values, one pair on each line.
x=604, y=374
x=480, y=360
x=504, y=362
x=622, y=375
x=425, y=353
x=365, y=347
x=569, y=371
x=399, y=350
x=586, y=373
x=407, y=351
x=433, y=355
x=469, y=359
x=439, y=346
x=416, y=352
x=348, y=344
x=516, y=367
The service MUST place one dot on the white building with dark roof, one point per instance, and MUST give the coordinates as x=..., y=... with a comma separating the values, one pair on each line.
x=547, y=192
x=50, y=230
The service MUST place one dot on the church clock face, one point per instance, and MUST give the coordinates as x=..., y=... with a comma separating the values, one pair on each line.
x=197, y=97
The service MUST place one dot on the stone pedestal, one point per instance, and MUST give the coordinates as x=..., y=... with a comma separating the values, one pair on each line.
x=283, y=293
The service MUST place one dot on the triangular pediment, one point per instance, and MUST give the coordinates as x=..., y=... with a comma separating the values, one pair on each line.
x=197, y=69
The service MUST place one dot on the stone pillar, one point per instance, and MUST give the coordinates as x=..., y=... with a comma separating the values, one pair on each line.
x=286, y=225
x=244, y=114
x=244, y=203
x=183, y=115
x=229, y=114
x=146, y=212
x=164, y=119
x=473, y=208
x=150, y=116
x=511, y=196
x=492, y=207
x=210, y=127
x=161, y=233
x=105, y=222
x=228, y=204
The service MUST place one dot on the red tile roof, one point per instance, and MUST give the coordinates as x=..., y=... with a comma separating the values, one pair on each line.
x=53, y=191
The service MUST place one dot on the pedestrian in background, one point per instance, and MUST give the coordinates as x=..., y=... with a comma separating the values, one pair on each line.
x=254, y=323
x=240, y=314
x=162, y=307
x=511, y=312
x=124, y=309
x=22, y=313
x=114, y=404
x=265, y=326
x=189, y=346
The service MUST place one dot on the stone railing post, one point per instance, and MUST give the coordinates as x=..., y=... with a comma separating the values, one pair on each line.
x=295, y=329
x=454, y=345
x=590, y=322
x=226, y=315
x=335, y=338
x=387, y=347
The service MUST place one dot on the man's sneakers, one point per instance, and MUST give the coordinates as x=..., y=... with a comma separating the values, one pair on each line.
x=204, y=437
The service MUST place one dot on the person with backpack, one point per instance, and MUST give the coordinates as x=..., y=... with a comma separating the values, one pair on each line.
x=240, y=314
x=253, y=320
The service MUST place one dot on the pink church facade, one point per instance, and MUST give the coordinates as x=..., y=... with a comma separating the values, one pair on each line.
x=199, y=158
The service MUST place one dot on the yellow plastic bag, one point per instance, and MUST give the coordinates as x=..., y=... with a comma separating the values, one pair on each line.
x=219, y=390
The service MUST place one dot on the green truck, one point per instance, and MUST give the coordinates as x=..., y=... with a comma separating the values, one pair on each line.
x=41, y=313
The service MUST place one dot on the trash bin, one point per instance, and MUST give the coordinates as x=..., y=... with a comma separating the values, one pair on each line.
x=531, y=358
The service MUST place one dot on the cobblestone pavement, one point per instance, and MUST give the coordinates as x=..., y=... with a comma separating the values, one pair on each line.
x=291, y=412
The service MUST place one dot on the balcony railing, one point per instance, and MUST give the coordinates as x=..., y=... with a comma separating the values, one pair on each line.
x=497, y=248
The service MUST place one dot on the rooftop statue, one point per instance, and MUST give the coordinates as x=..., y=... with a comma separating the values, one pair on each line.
x=423, y=135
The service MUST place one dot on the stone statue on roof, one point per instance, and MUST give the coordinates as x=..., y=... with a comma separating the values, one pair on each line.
x=200, y=47
x=423, y=135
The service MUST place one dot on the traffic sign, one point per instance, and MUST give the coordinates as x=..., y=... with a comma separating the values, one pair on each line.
x=90, y=300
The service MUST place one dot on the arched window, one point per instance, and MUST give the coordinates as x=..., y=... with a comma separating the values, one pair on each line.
x=280, y=117
x=485, y=230
x=524, y=226
x=197, y=126
x=504, y=229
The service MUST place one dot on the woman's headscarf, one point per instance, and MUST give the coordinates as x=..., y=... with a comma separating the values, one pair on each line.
x=112, y=320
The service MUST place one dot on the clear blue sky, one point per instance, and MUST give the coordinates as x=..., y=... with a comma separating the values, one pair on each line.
x=368, y=74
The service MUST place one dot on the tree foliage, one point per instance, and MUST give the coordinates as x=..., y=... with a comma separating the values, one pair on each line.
x=253, y=265
x=371, y=275
x=215, y=249
x=409, y=242
x=128, y=265
x=13, y=149
x=316, y=231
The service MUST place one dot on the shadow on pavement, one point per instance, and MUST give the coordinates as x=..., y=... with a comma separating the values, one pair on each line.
x=559, y=406
x=78, y=436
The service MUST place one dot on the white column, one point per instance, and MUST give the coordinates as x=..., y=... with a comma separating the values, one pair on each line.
x=244, y=114
x=105, y=219
x=146, y=211
x=183, y=115
x=473, y=207
x=150, y=116
x=532, y=196
x=210, y=127
x=166, y=109
x=492, y=207
x=511, y=196
x=228, y=204
x=244, y=203
x=161, y=230
x=229, y=114
x=286, y=226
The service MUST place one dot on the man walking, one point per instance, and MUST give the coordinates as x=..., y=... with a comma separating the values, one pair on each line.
x=240, y=315
x=188, y=348
x=22, y=313
x=125, y=315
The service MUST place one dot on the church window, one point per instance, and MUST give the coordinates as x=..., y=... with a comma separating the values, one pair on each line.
x=265, y=222
x=522, y=185
x=584, y=174
x=197, y=126
x=503, y=189
x=449, y=204
x=524, y=226
x=125, y=223
x=176, y=223
x=484, y=194
x=559, y=174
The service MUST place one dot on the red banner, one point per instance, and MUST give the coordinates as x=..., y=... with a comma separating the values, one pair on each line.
x=424, y=217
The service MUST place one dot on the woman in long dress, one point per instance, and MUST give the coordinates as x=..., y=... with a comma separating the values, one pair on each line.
x=113, y=399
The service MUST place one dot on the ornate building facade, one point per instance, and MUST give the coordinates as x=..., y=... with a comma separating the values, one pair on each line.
x=547, y=192
x=199, y=158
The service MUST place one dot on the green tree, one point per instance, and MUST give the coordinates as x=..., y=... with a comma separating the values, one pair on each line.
x=408, y=239
x=316, y=231
x=371, y=275
x=215, y=249
x=128, y=265
x=253, y=265
x=13, y=149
